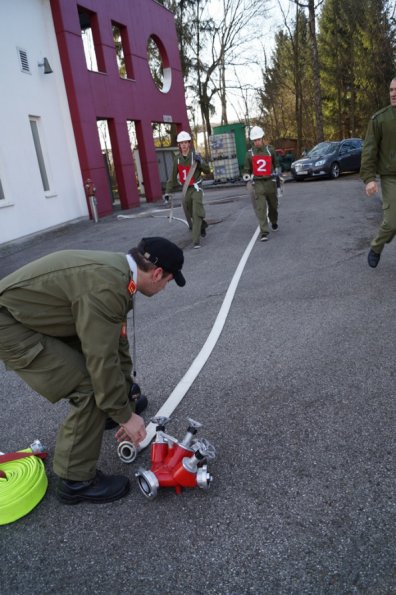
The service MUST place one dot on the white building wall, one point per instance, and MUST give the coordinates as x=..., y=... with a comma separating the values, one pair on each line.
x=26, y=207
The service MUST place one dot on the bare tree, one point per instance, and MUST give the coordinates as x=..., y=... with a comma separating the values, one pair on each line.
x=233, y=34
x=312, y=8
x=214, y=45
x=221, y=47
x=246, y=93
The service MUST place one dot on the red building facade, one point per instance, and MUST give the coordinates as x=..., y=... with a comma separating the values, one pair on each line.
x=103, y=94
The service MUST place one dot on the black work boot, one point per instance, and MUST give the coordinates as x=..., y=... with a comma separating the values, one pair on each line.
x=102, y=488
x=204, y=225
x=373, y=258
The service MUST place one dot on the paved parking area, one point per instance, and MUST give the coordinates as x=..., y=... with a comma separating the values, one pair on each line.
x=297, y=397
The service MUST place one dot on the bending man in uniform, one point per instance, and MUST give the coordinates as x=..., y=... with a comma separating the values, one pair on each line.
x=63, y=331
x=379, y=156
x=260, y=167
x=193, y=207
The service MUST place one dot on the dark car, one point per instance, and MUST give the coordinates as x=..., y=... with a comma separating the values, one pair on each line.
x=329, y=159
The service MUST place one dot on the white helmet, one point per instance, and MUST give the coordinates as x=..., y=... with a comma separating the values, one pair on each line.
x=256, y=132
x=183, y=136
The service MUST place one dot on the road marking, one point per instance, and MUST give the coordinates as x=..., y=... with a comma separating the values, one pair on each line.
x=185, y=383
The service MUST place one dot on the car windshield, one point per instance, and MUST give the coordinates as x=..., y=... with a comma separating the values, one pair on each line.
x=322, y=149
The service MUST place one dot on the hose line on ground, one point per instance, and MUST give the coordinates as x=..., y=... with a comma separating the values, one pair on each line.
x=23, y=482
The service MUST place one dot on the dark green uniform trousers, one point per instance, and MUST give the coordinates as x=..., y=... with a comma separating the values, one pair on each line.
x=265, y=193
x=55, y=368
x=387, y=230
x=194, y=211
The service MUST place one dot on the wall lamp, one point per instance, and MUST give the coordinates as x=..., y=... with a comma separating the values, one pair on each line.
x=47, y=67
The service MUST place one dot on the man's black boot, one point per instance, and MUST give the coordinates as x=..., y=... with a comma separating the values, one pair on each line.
x=102, y=488
x=204, y=225
x=373, y=258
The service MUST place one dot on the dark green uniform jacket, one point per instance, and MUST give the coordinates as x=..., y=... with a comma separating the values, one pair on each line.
x=85, y=294
x=379, y=150
x=188, y=160
x=264, y=150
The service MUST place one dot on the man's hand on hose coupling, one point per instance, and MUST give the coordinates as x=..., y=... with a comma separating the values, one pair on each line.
x=133, y=430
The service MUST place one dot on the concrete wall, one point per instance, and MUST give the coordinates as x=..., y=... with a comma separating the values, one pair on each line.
x=26, y=207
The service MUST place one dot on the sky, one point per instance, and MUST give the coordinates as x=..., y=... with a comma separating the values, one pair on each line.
x=251, y=74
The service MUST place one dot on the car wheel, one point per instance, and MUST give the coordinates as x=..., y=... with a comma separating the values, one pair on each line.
x=299, y=178
x=334, y=171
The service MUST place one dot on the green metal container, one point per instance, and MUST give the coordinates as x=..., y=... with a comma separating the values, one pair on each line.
x=240, y=139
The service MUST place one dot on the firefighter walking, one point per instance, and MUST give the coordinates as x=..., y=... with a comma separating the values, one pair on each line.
x=188, y=167
x=259, y=173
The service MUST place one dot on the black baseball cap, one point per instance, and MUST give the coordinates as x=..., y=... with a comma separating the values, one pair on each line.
x=165, y=254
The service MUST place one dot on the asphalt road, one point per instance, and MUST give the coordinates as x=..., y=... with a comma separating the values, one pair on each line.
x=297, y=397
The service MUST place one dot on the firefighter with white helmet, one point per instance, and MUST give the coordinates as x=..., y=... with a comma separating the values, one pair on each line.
x=188, y=167
x=259, y=172
x=183, y=136
x=256, y=132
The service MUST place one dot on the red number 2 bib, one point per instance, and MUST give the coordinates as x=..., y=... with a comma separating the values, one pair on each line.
x=261, y=165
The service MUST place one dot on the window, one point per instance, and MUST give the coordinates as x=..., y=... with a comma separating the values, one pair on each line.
x=123, y=53
x=159, y=64
x=91, y=40
x=104, y=132
x=39, y=152
x=346, y=147
x=131, y=127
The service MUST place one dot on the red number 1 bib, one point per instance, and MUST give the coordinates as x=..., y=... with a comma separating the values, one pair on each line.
x=261, y=165
x=183, y=173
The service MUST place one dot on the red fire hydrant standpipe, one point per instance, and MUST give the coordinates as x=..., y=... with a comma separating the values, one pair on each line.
x=90, y=191
x=175, y=464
